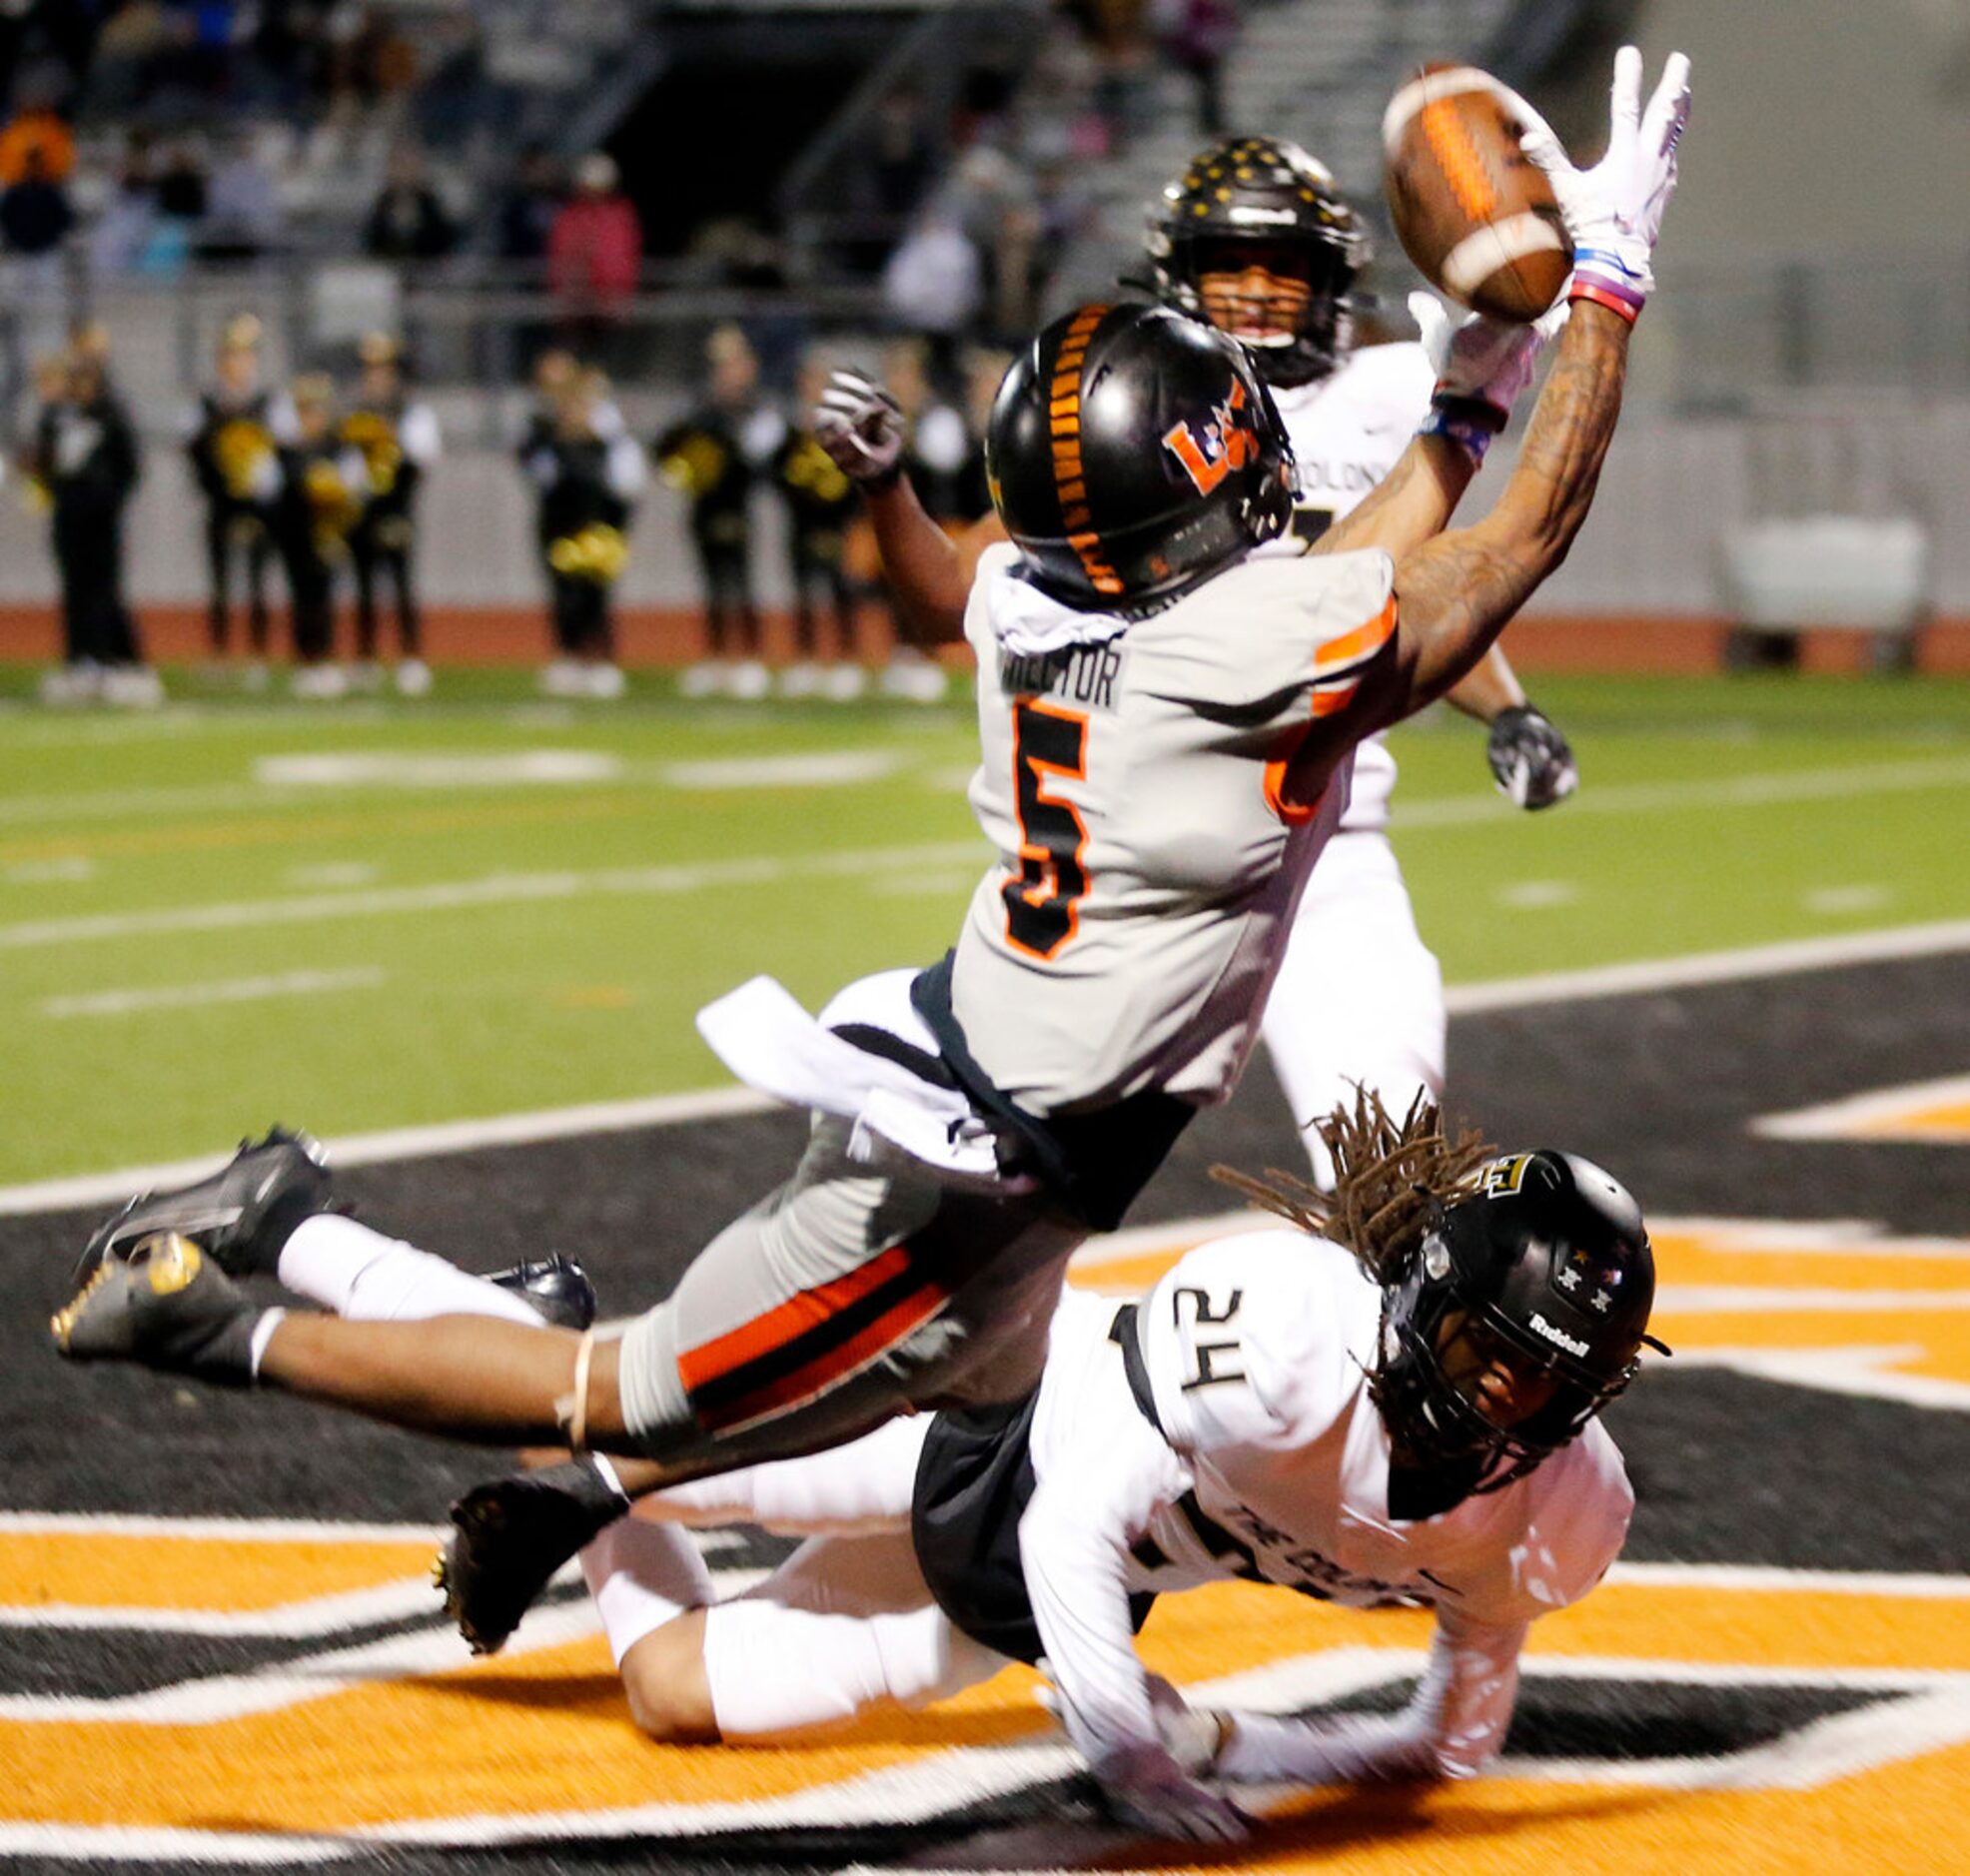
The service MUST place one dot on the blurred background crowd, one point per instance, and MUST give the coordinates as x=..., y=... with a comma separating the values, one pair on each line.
x=653, y=220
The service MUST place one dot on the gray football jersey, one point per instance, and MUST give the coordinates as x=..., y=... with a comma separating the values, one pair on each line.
x=1149, y=858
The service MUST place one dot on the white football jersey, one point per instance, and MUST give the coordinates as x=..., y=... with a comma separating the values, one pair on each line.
x=1258, y=1350
x=1135, y=786
x=1347, y=429
x=1272, y=1465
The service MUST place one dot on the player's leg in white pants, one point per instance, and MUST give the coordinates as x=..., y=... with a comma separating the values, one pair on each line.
x=1358, y=997
x=843, y=1623
x=847, y=1621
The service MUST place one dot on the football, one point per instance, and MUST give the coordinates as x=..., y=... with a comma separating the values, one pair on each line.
x=1469, y=208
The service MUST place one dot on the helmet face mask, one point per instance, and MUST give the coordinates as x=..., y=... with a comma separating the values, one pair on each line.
x=1131, y=454
x=1260, y=202
x=1519, y=1319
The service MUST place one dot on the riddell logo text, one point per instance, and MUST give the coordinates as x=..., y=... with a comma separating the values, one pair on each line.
x=1571, y=1343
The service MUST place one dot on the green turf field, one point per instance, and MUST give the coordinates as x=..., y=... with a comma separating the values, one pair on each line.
x=384, y=914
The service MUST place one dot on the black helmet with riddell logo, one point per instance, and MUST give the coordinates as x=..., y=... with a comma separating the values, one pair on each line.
x=1246, y=194
x=1132, y=451
x=1543, y=1275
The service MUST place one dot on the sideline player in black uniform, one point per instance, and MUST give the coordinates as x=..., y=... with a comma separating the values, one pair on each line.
x=86, y=455
x=820, y=502
x=399, y=439
x=234, y=455
x=705, y=457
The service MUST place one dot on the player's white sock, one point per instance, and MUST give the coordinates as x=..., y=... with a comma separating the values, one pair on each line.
x=367, y=1277
x=772, y=1668
x=642, y=1573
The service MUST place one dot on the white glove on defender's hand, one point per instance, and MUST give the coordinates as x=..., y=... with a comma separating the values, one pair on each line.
x=860, y=425
x=1483, y=360
x=1614, y=211
x=1146, y=1789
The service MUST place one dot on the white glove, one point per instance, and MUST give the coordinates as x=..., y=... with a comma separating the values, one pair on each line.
x=860, y=425
x=1483, y=360
x=1146, y=1789
x=1614, y=212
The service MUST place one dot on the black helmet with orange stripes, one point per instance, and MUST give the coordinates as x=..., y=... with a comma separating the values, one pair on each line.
x=1134, y=452
x=1518, y=1316
x=1262, y=202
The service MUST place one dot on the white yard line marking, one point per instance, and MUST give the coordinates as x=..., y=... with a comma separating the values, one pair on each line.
x=1773, y=788
x=494, y=889
x=1537, y=895
x=1763, y=1300
x=407, y=1142
x=837, y=769
x=832, y=767
x=1918, y=1585
x=191, y=996
x=329, y=875
x=1861, y=1373
x=563, y=1123
x=1864, y=1115
x=406, y=768
x=211, y=1530
x=1708, y=967
x=1837, y=901
x=48, y=872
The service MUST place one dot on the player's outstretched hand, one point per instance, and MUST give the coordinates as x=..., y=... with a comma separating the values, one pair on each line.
x=1149, y=1791
x=1486, y=360
x=860, y=425
x=1614, y=212
x=1532, y=760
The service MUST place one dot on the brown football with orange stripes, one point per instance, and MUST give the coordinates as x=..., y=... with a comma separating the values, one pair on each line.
x=1469, y=208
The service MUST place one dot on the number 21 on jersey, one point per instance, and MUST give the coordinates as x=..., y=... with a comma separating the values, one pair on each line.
x=1042, y=900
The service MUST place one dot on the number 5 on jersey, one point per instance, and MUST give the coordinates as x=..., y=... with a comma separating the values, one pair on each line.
x=1042, y=901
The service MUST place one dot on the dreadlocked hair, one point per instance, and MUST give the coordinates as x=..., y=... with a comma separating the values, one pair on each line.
x=1388, y=1177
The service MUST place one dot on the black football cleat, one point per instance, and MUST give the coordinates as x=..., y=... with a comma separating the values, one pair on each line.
x=165, y=1306
x=557, y=1286
x=241, y=1216
x=510, y=1537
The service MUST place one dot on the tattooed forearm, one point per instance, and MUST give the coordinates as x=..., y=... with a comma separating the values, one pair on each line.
x=1456, y=592
x=1411, y=505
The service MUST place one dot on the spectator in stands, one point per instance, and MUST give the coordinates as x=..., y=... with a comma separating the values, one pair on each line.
x=408, y=221
x=181, y=182
x=901, y=155
x=529, y=204
x=934, y=284
x=125, y=230
x=1205, y=32
x=35, y=220
x=86, y=454
x=596, y=253
x=35, y=216
x=37, y=133
x=244, y=217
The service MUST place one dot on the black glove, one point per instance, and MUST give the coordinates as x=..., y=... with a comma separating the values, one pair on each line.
x=1532, y=761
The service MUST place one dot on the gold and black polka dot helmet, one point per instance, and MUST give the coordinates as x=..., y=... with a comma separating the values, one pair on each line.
x=1264, y=189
